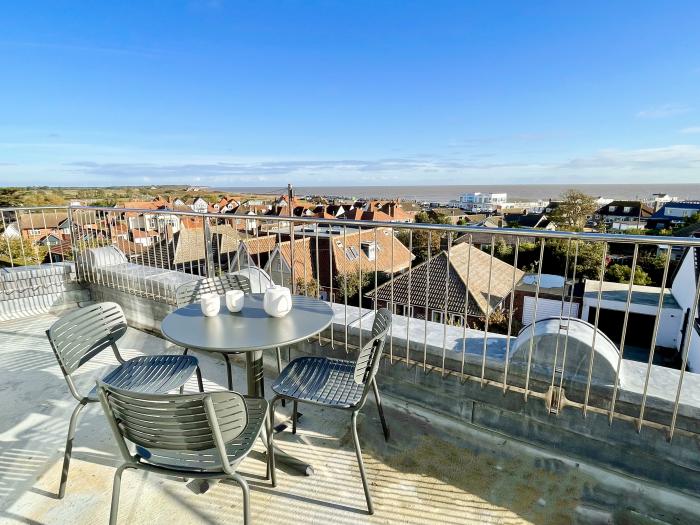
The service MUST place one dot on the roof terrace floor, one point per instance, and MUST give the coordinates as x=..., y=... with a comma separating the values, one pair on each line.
x=425, y=473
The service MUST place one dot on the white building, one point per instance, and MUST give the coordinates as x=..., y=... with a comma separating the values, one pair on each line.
x=685, y=283
x=658, y=200
x=199, y=205
x=538, y=206
x=482, y=202
x=643, y=307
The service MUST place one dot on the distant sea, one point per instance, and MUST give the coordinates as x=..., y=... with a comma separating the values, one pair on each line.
x=516, y=192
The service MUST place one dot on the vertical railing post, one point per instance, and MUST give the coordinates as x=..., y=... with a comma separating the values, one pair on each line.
x=208, y=249
x=73, y=246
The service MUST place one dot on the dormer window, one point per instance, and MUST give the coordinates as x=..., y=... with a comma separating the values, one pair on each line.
x=612, y=208
x=370, y=250
x=628, y=209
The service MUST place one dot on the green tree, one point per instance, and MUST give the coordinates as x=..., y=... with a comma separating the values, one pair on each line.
x=637, y=231
x=307, y=287
x=10, y=197
x=349, y=284
x=21, y=252
x=620, y=273
x=573, y=210
x=692, y=219
x=654, y=265
x=420, y=239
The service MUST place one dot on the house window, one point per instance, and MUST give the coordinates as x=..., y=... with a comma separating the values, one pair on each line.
x=455, y=319
x=34, y=231
x=436, y=316
x=627, y=209
x=403, y=309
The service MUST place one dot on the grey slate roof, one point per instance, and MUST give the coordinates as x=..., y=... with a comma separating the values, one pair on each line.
x=447, y=282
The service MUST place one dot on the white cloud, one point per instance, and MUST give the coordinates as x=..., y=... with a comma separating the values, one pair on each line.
x=691, y=130
x=664, y=111
x=680, y=157
x=673, y=163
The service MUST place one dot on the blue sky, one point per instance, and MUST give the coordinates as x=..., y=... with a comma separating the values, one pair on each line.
x=349, y=93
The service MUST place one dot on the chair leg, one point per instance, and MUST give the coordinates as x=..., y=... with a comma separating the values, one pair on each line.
x=358, y=453
x=295, y=415
x=385, y=428
x=200, y=383
x=270, y=450
x=69, y=448
x=246, y=497
x=270, y=443
x=182, y=388
x=116, y=486
x=279, y=366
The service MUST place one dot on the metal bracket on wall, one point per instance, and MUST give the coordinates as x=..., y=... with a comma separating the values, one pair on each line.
x=555, y=399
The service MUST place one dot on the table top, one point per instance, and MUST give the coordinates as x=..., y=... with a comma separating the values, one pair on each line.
x=248, y=330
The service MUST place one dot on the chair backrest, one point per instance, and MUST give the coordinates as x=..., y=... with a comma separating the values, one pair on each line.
x=82, y=334
x=371, y=353
x=187, y=422
x=191, y=292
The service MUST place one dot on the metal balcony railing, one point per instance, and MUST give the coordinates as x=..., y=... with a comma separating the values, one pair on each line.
x=422, y=274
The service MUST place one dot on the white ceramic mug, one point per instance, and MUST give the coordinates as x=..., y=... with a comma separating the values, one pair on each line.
x=210, y=304
x=234, y=300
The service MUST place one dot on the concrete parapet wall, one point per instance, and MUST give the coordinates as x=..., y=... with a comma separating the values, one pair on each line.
x=31, y=290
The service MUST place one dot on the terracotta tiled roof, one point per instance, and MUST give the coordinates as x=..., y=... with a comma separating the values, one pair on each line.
x=129, y=248
x=262, y=244
x=466, y=270
x=140, y=234
x=303, y=260
x=349, y=257
x=187, y=246
x=63, y=248
x=190, y=223
x=485, y=237
x=38, y=220
x=396, y=212
x=357, y=214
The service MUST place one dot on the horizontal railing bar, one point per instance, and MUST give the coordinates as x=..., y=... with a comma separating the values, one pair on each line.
x=517, y=232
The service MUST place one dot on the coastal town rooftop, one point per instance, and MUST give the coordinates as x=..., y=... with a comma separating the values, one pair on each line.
x=493, y=419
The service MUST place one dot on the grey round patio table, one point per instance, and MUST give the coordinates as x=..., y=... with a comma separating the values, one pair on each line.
x=249, y=331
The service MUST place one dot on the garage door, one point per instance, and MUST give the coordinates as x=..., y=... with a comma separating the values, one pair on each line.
x=547, y=308
x=640, y=327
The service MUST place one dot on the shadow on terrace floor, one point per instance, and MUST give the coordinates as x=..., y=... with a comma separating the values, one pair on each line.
x=424, y=474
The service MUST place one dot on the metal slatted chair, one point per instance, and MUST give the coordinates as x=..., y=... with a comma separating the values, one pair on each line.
x=192, y=292
x=337, y=383
x=203, y=436
x=79, y=336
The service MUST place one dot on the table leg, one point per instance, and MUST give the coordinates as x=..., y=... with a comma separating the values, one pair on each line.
x=229, y=373
x=254, y=373
x=281, y=457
